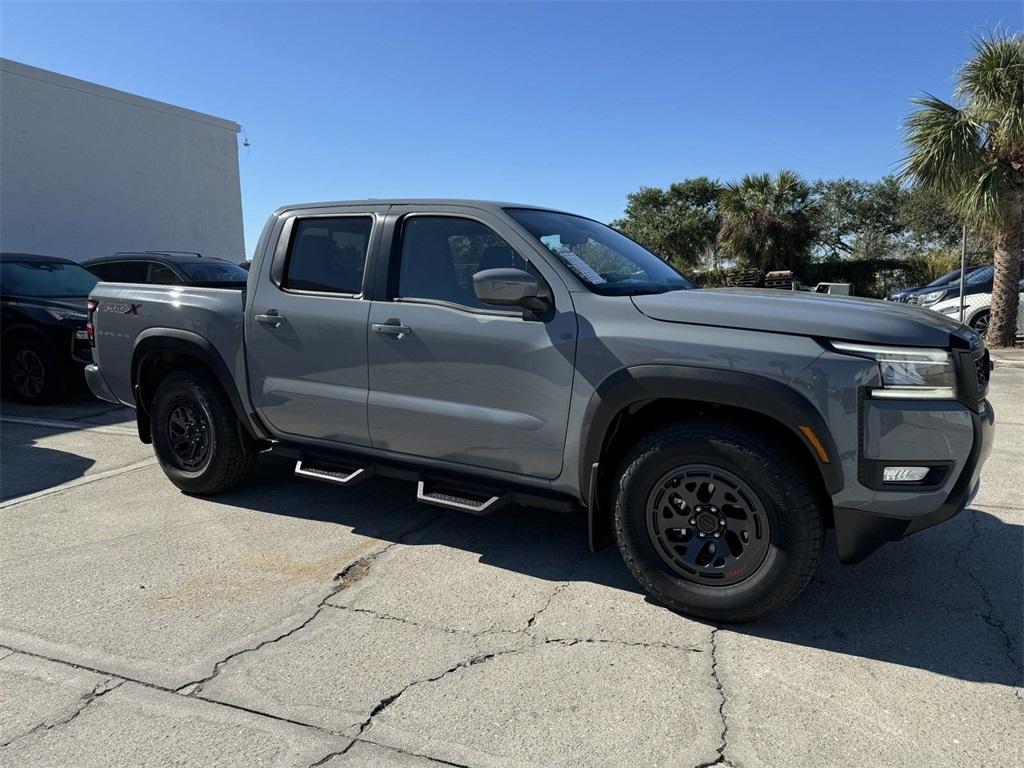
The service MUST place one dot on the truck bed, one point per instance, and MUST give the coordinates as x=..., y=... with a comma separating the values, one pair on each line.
x=126, y=314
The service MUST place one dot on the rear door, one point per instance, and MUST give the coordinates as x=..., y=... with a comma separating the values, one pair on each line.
x=306, y=332
x=467, y=383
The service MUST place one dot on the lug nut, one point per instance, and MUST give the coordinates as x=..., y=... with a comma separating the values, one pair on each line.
x=717, y=534
x=721, y=521
x=702, y=534
x=693, y=521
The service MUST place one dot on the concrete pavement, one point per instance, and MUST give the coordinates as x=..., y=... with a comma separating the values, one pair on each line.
x=293, y=623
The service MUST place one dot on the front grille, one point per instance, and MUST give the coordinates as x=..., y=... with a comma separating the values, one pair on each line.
x=982, y=370
x=973, y=370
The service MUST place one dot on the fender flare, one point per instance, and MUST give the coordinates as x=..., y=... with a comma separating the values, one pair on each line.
x=176, y=341
x=752, y=392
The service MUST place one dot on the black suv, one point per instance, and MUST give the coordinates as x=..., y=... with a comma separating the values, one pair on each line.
x=44, y=338
x=167, y=268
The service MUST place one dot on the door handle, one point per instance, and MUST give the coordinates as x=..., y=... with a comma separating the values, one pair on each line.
x=392, y=328
x=273, y=318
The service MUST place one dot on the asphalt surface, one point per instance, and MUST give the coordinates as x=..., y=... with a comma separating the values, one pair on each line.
x=291, y=623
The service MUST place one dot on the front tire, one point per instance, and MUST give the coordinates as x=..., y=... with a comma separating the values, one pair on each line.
x=717, y=521
x=197, y=437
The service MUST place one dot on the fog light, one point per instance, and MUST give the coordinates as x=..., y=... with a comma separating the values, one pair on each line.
x=903, y=474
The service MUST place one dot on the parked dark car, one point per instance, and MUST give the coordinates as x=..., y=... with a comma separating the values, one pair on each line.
x=978, y=281
x=950, y=278
x=167, y=268
x=44, y=339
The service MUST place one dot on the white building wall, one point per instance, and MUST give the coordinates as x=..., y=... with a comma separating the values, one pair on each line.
x=86, y=171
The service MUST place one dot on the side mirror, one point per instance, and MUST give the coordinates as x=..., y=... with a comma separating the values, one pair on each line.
x=508, y=287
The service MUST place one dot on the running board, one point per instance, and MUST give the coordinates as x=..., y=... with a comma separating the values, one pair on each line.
x=330, y=473
x=462, y=500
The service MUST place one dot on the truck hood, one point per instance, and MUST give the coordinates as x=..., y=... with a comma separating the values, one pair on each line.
x=843, y=318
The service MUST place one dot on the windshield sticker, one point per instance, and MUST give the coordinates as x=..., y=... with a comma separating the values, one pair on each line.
x=579, y=266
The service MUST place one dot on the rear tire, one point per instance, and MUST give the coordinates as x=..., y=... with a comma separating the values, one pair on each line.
x=31, y=369
x=687, y=482
x=197, y=437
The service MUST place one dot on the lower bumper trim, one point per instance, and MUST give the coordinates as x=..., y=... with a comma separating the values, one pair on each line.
x=859, y=532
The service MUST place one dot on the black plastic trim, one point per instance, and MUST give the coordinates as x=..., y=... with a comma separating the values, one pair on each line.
x=175, y=341
x=774, y=399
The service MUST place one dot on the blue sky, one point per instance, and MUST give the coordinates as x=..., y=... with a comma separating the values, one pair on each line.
x=571, y=105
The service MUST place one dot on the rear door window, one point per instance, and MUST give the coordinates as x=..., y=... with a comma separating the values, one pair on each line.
x=121, y=271
x=161, y=274
x=327, y=255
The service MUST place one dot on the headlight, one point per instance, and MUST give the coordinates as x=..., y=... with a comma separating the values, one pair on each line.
x=908, y=373
x=931, y=298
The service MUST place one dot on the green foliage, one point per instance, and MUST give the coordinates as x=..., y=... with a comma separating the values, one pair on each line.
x=768, y=222
x=679, y=223
x=973, y=153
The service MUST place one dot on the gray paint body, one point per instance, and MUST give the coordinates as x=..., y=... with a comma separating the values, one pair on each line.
x=505, y=398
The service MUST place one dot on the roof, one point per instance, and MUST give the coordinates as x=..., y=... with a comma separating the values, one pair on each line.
x=493, y=205
x=10, y=256
x=172, y=257
x=53, y=78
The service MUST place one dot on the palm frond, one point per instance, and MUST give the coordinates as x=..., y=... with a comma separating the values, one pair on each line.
x=994, y=76
x=946, y=146
x=984, y=201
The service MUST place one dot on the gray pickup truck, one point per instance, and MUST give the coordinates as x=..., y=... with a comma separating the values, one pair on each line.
x=496, y=354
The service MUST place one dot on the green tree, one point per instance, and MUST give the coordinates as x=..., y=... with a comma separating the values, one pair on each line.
x=768, y=222
x=857, y=218
x=679, y=223
x=973, y=153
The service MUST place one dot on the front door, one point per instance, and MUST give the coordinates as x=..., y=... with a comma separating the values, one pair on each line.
x=454, y=379
x=306, y=338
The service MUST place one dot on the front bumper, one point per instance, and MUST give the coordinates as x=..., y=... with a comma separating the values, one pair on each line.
x=859, y=532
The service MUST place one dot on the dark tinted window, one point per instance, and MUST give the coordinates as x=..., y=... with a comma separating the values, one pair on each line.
x=162, y=274
x=35, y=278
x=328, y=254
x=121, y=271
x=441, y=254
x=214, y=272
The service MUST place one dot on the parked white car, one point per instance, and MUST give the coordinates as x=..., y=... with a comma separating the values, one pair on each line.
x=976, y=309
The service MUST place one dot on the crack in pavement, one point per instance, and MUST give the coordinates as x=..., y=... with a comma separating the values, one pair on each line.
x=473, y=661
x=989, y=616
x=345, y=578
x=98, y=691
x=397, y=750
x=721, y=759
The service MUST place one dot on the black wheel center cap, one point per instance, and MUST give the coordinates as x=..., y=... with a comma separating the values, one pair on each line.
x=707, y=522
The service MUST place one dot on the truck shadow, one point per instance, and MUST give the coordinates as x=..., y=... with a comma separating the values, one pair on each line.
x=948, y=600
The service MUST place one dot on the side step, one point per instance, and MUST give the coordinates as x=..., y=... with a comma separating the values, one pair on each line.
x=331, y=473
x=451, y=497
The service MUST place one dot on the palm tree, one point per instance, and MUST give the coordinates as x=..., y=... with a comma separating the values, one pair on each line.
x=767, y=221
x=974, y=154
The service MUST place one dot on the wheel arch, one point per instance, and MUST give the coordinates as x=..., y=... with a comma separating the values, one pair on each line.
x=631, y=401
x=158, y=350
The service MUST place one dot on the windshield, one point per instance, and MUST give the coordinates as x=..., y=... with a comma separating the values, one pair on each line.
x=608, y=262
x=946, y=278
x=979, y=276
x=47, y=279
x=214, y=272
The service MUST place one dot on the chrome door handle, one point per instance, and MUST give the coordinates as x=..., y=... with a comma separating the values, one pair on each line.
x=273, y=318
x=393, y=328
